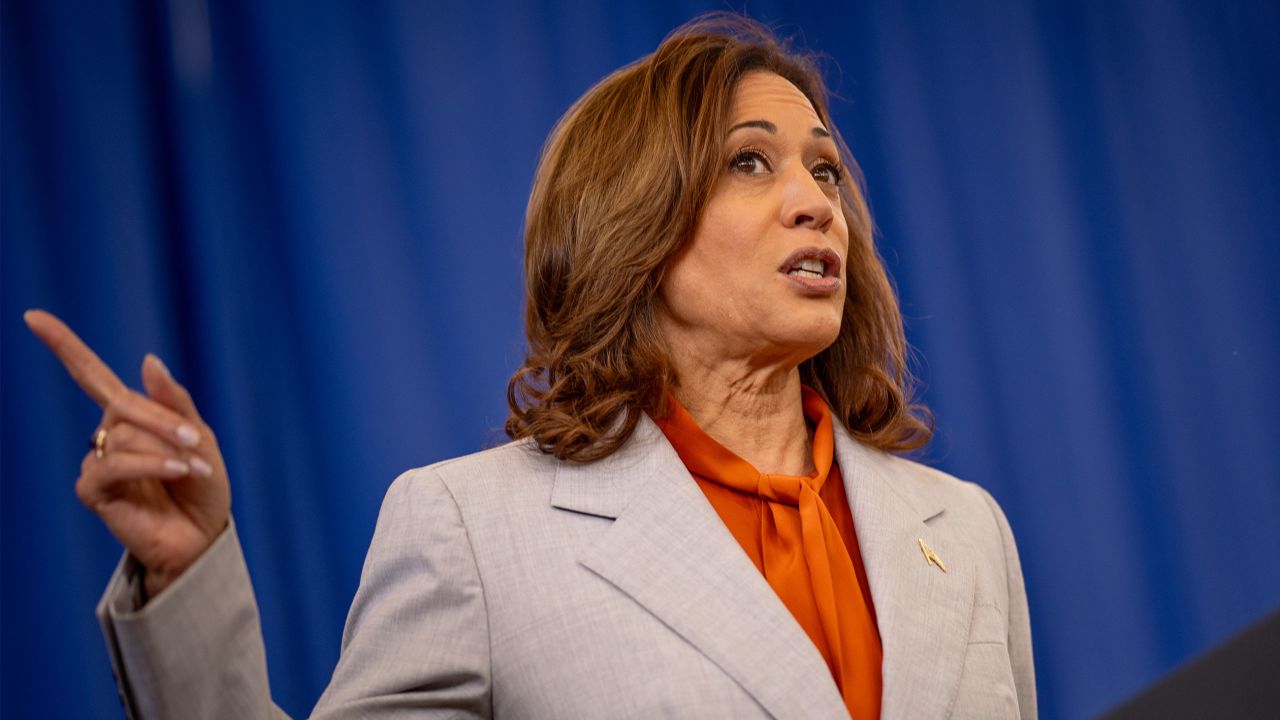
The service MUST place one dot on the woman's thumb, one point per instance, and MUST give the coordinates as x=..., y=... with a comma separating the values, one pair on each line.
x=162, y=388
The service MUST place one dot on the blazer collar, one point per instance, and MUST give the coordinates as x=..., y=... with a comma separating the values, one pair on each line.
x=923, y=613
x=671, y=553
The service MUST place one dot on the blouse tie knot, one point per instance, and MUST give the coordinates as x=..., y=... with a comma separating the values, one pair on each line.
x=788, y=490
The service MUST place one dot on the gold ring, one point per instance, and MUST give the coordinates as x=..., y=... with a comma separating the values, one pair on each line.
x=99, y=442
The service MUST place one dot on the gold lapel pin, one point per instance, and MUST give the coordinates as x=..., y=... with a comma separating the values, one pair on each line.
x=930, y=556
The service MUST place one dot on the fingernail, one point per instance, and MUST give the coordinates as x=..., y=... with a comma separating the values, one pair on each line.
x=162, y=366
x=201, y=467
x=176, y=468
x=187, y=435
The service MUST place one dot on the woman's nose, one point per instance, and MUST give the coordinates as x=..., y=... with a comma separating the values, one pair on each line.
x=805, y=203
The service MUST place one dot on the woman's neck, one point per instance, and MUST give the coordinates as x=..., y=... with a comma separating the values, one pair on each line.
x=755, y=412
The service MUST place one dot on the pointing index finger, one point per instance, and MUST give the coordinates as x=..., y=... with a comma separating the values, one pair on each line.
x=85, y=367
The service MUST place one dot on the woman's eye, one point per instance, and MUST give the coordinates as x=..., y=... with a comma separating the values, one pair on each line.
x=749, y=162
x=828, y=173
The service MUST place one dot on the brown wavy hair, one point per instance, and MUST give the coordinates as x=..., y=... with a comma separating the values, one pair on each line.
x=620, y=186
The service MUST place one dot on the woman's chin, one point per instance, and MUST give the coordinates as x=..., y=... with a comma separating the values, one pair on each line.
x=804, y=340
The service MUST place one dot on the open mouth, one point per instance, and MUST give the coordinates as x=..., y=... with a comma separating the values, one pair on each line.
x=809, y=268
x=812, y=263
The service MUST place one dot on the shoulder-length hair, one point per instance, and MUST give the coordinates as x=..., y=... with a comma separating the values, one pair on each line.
x=621, y=183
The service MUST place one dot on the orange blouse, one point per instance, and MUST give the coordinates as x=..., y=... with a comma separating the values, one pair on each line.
x=799, y=533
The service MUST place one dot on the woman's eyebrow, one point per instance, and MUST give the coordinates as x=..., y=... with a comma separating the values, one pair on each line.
x=818, y=132
x=764, y=125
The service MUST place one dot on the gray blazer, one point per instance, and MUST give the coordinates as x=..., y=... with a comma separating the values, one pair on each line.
x=510, y=584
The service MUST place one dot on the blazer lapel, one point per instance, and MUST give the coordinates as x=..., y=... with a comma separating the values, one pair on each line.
x=671, y=553
x=923, y=613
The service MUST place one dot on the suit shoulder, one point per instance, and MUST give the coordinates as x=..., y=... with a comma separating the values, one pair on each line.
x=520, y=457
x=498, y=472
x=936, y=492
x=929, y=483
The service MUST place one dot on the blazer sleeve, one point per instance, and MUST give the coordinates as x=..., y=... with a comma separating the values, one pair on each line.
x=194, y=651
x=416, y=642
x=1020, y=657
x=416, y=638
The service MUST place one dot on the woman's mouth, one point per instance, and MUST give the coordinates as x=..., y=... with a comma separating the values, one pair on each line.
x=813, y=271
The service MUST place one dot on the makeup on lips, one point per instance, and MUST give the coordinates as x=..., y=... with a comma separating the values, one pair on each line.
x=814, y=271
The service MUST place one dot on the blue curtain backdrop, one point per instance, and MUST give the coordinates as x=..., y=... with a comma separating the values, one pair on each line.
x=313, y=212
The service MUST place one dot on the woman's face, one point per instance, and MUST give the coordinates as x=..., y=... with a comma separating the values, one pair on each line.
x=762, y=279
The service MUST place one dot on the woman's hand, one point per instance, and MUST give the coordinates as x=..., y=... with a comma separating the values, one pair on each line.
x=156, y=477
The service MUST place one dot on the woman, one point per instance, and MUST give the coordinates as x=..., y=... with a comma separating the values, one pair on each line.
x=699, y=514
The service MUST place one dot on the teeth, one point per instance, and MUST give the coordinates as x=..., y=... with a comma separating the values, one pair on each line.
x=809, y=267
x=805, y=273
